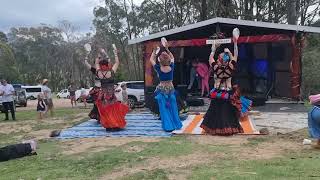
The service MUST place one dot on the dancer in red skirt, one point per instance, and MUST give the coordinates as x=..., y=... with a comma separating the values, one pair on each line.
x=111, y=112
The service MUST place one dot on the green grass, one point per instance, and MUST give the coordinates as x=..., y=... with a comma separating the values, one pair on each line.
x=50, y=163
x=66, y=113
x=156, y=174
x=10, y=138
x=255, y=141
x=301, y=167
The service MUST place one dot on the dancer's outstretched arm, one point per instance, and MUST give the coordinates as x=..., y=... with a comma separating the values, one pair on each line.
x=170, y=54
x=235, y=57
x=96, y=63
x=213, y=51
x=88, y=65
x=153, y=58
x=117, y=62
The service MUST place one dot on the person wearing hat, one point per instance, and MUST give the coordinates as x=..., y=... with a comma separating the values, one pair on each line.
x=7, y=91
x=47, y=96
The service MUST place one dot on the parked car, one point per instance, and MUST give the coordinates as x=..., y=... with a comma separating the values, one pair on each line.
x=135, y=90
x=20, y=97
x=78, y=94
x=64, y=93
x=32, y=91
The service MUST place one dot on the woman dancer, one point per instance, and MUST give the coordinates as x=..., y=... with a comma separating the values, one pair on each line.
x=165, y=93
x=111, y=112
x=222, y=117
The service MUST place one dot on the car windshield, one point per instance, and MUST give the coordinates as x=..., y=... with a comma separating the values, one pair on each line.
x=135, y=85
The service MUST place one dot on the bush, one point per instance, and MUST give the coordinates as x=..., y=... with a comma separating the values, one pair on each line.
x=311, y=66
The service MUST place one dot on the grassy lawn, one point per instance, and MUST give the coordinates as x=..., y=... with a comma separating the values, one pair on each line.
x=62, y=118
x=178, y=157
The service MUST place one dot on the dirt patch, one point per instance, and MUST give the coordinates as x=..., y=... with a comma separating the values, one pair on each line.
x=100, y=144
x=219, y=140
x=268, y=150
x=12, y=127
x=58, y=103
x=174, y=164
x=41, y=134
x=135, y=148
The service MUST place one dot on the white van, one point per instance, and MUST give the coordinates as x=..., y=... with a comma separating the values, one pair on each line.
x=32, y=91
x=64, y=93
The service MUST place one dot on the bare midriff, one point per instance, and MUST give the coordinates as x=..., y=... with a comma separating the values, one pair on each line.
x=166, y=83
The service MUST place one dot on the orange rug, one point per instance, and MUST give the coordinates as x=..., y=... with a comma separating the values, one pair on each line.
x=192, y=126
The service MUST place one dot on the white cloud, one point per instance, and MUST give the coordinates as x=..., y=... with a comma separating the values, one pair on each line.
x=17, y=13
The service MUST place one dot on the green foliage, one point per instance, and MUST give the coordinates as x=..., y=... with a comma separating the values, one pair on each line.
x=8, y=69
x=42, y=52
x=310, y=67
x=3, y=37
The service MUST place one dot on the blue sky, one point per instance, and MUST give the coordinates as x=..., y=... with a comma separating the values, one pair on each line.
x=17, y=13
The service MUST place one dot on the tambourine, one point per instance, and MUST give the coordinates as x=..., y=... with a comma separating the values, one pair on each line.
x=164, y=42
x=87, y=47
x=236, y=33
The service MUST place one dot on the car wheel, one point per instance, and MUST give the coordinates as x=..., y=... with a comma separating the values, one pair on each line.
x=132, y=101
x=68, y=97
x=25, y=105
x=58, y=97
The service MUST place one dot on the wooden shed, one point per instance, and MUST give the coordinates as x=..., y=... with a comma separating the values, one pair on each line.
x=269, y=54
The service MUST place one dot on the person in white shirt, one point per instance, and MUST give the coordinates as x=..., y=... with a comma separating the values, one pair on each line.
x=47, y=96
x=7, y=91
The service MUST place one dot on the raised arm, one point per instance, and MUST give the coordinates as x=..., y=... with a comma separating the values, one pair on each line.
x=213, y=51
x=88, y=65
x=117, y=62
x=153, y=58
x=170, y=54
x=235, y=57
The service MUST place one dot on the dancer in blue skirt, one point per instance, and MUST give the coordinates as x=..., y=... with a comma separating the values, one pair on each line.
x=165, y=92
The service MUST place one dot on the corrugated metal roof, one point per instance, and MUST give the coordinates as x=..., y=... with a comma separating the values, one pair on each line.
x=227, y=21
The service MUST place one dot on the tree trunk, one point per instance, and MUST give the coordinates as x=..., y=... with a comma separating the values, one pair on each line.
x=130, y=36
x=270, y=10
x=291, y=12
x=203, y=13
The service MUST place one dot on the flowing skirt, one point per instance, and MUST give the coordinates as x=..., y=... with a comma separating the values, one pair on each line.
x=94, y=113
x=314, y=122
x=111, y=112
x=168, y=110
x=225, y=110
x=112, y=115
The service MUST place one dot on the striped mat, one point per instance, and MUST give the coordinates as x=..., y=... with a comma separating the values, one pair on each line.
x=192, y=126
x=138, y=124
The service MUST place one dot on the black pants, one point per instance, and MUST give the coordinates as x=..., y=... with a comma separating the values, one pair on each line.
x=9, y=106
x=15, y=151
